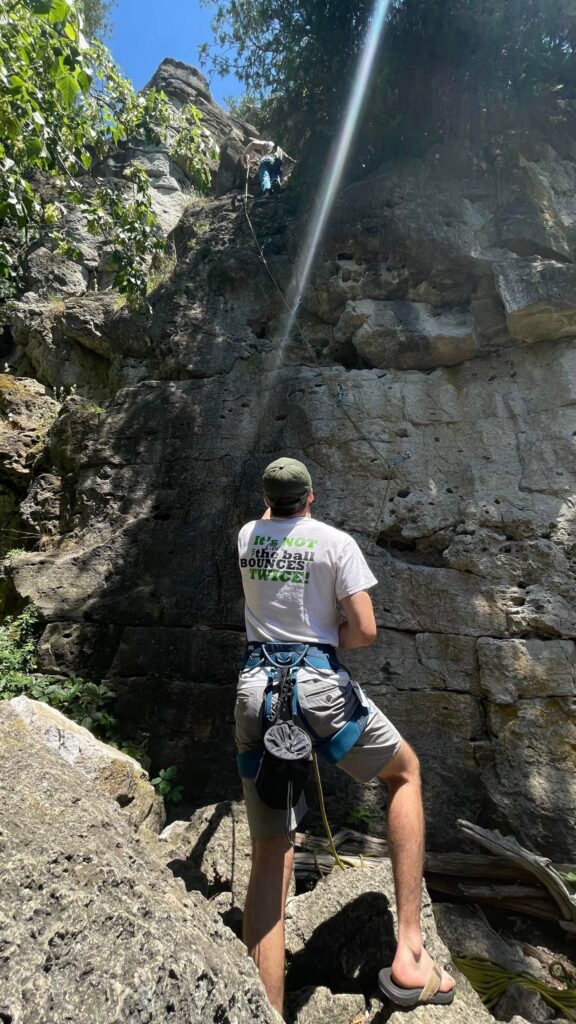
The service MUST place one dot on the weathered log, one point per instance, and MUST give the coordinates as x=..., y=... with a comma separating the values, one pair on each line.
x=540, y=867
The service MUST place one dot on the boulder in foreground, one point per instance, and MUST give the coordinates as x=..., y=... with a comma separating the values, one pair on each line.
x=93, y=928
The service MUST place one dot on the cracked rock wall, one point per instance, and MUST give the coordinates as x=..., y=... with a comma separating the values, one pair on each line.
x=442, y=311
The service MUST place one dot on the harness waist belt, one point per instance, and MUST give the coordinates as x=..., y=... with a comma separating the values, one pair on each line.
x=259, y=652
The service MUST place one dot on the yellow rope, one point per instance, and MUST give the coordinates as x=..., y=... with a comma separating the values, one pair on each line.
x=325, y=821
x=491, y=981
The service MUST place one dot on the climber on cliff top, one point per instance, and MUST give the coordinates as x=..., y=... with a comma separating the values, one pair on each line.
x=306, y=592
x=270, y=166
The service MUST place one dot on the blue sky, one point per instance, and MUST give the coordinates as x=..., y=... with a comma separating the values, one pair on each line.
x=146, y=31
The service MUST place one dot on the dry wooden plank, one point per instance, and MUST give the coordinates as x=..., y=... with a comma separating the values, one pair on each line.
x=463, y=887
x=347, y=842
x=543, y=907
x=315, y=863
x=470, y=865
x=501, y=892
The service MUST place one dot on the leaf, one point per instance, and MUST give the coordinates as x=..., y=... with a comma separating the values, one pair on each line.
x=84, y=80
x=17, y=84
x=34, y=148
x=68, y=88
x=59, y=10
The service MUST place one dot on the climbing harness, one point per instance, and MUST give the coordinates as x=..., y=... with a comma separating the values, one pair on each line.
x=281, y=765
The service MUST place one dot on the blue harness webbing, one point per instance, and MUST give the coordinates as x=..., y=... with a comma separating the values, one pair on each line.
x=283, y=661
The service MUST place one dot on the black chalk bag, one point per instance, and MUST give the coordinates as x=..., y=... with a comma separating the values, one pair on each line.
x=285, y=765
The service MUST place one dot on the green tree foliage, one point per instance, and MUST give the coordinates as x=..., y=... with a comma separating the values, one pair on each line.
x=96, y=17
x=454, y=64
x=292, y=56
x=63, y=106
x=88, y=703
x=441, y=62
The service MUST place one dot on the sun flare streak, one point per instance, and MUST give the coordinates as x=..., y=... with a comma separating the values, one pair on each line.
x=335, y=168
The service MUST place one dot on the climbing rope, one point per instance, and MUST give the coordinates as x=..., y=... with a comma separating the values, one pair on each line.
x=325, y=822
x=490, y=981
x=339, y=396
x=339, y=392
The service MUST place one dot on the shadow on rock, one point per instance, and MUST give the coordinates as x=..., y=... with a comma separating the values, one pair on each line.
x=346, y=951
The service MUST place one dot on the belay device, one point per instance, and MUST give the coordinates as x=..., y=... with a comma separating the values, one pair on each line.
x=287, y=757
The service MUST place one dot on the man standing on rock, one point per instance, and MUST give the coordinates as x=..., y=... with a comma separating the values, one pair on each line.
x=306, y=591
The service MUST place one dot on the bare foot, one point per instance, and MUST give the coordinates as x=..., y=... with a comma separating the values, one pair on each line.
x=410, y=970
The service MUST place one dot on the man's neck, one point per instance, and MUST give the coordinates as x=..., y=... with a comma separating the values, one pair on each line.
x=295, y=515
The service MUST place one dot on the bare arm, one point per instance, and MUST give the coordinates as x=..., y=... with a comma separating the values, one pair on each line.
x=359, y=626
x=256, y=146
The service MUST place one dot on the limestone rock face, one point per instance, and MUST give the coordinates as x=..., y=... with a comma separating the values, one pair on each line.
x=49, y=274
x=520, y=1001
x=431, y=390
x=468, y=935
x=408, y=335
x=184, y=84
x=93, y=927
x=81, y=343
x=314, y=1005
x=211, y=851
x=115, y=773
x=26, y=413
x=168, y=171
x=538, y=298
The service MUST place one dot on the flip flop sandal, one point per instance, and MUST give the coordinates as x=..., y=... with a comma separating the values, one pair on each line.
x=429, y=995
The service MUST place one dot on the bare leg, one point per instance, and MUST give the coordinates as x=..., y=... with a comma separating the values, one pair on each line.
x=272, y=861
x=412, y=964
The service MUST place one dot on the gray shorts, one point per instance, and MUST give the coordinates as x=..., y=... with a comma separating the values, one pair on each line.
x=328, y=700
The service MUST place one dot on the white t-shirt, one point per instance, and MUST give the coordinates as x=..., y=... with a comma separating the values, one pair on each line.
x=294, y=571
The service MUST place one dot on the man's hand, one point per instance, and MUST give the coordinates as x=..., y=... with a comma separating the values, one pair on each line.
x=359, y=627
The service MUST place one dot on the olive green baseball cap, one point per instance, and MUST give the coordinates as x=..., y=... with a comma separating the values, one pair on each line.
x=286, y=484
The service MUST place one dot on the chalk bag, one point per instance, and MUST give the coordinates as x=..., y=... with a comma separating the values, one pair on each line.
x=285, y=765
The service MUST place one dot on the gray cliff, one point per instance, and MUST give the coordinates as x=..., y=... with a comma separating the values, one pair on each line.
x=442, y=311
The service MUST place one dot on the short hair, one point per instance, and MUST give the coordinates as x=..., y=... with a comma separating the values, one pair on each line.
x=279, y=512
